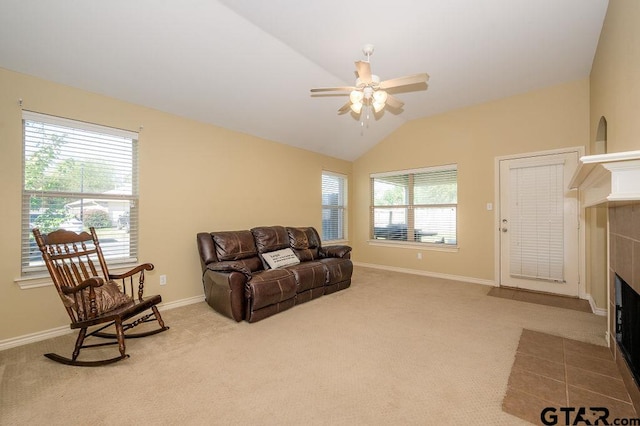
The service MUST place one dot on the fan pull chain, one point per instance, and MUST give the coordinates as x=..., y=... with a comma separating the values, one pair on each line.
x=364, y=117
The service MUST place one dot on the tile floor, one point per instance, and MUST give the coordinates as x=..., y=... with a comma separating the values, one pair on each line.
x=551, y=371
x=541, y=298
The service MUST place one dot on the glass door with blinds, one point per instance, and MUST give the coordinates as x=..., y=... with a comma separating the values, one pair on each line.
x=539, y=224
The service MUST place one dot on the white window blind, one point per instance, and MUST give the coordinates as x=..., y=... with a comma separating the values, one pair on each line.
x=78, y=175
x=334, y=206
x=537, y=222
x=415, y=205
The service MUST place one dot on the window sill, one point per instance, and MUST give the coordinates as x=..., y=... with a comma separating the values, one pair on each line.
x=43, y=279
x=414, y=246
x=335, y=243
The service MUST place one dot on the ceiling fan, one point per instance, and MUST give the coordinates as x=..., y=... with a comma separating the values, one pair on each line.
x=369, y=91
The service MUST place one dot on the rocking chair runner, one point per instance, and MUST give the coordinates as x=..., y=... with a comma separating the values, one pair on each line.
x=91, y=295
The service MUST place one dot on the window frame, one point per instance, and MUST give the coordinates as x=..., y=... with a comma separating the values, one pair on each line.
x=411, y=208
x=119, y=258
x=341, y=208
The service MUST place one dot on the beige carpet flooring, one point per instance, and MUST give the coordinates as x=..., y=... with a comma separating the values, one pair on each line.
x=392, y=349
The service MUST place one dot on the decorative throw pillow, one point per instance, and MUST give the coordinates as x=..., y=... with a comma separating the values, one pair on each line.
x=108, y=297
x=280, y=258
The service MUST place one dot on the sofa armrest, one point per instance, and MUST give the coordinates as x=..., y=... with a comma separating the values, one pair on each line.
x=336, y=251
x=229, y=266
x=224, y=291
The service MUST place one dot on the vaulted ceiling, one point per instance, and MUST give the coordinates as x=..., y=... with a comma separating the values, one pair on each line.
x=248, y=65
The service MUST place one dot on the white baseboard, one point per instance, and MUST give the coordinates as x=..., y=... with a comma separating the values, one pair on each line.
x=594, y=308
x=181, y=302
x=34, y=337
x=61, y=331
x=598, y=311
x=428, y=274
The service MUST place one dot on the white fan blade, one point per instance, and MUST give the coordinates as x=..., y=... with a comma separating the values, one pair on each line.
x=333, y=89
x=404, y=81
x=394, y=102
x=364, y=71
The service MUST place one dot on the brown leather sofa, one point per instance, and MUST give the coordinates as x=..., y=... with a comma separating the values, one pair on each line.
x=239, y=283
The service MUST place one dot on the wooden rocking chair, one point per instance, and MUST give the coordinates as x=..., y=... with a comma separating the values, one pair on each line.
x=92, y=296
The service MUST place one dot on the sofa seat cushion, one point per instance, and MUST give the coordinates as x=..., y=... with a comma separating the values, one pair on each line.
x=308, y=275
x=271, y=286
x=338, y=269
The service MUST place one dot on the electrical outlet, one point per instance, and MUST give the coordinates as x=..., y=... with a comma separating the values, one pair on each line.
x=419, y=255
x=163, y=279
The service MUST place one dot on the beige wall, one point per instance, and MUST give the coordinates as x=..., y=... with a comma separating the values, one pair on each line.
x=615, y=77
x=614, y=95
x=472, y=137
x=193, y=177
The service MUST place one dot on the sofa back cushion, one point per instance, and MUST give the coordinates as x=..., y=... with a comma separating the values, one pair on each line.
x=237, y=245
x=268, y=239
x=305, y=242
x=234, y=245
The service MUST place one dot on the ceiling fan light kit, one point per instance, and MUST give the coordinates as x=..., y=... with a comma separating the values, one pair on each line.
x=356, y=107
x=356, y=97
x=368, y=91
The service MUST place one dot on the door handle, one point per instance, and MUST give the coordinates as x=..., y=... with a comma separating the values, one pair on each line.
x=503, y=229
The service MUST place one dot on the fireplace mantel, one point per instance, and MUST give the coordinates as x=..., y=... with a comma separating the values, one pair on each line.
x=608, y=178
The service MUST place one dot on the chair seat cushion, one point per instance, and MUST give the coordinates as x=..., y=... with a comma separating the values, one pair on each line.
x=108, y=298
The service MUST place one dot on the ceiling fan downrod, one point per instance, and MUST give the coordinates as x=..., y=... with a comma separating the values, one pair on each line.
x=367, y=49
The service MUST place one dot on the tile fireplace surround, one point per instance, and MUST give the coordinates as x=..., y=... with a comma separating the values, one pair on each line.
x=613, y=180
x=624, y=260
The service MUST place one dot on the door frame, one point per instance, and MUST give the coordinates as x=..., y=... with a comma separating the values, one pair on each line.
x=582, y=294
